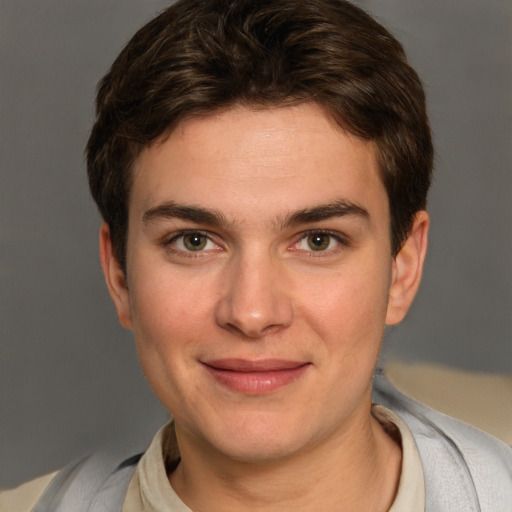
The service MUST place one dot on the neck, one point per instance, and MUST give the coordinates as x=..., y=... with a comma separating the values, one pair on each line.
x=356, y=470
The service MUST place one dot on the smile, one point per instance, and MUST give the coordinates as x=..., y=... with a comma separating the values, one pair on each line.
x=255, y=377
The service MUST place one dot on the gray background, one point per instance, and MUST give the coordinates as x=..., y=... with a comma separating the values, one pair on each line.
x=69, y=376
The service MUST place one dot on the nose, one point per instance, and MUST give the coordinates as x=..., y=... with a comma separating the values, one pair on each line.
x=255, y=299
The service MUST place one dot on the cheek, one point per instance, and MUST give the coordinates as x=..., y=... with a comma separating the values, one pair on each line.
x=170, y=320
x=171, y=315
x=348, y=308
x=351, y=297
x=349, y=317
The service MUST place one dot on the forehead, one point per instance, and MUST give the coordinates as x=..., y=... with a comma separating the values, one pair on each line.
x=257, y=160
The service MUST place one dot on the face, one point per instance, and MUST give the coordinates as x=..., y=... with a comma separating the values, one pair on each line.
x=258, y=278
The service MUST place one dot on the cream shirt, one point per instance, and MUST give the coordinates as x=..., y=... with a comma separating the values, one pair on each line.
x=150, y=490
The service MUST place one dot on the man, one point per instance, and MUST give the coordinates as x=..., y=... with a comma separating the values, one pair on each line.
x=262, y=170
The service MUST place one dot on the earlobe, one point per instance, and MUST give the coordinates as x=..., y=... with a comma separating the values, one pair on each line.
x=115, y=278
x=407, y=270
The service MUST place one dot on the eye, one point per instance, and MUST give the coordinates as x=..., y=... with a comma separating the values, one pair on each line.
x=318, y=241
x=193, y=241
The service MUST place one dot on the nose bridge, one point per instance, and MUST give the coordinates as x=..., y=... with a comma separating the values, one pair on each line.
x=255, y=298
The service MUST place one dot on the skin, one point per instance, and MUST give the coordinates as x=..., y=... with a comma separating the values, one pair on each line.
x=255, y=190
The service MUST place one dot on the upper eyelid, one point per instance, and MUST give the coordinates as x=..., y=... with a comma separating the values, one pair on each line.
x=320, y=230
x=169, y=245
x=339, y=236
x=182, y=232
x=168, y=239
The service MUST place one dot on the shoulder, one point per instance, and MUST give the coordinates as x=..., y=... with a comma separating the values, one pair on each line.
x=465, y=469
x=478, y=398
x=94, y=483
x=25, y=496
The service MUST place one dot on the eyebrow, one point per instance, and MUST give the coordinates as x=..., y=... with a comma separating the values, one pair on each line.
x=172, y=210
x=339, y=208
x=215, y=218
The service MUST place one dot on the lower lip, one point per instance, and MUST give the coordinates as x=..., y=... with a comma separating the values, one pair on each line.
x=256, y=383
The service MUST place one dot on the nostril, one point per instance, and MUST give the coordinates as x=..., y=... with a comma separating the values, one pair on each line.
x=256, y=320
x=253, y=301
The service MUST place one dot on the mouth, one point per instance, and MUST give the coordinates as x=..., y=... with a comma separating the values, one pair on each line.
x=255, y=377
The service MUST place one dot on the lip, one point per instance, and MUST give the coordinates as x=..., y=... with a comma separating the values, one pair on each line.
x=255, y=377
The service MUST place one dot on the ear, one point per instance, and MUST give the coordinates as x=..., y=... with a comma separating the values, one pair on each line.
x=115, y=278
x=407, y=269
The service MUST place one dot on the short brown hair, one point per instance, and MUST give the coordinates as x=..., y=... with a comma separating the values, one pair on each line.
x=199, y=56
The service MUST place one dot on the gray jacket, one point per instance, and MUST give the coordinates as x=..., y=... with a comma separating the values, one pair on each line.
x=465, y=469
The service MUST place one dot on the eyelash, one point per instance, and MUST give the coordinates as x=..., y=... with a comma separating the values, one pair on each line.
x=169, y=242
x=340, y=239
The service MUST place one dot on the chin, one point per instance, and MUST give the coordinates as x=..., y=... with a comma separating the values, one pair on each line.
x=259, y=438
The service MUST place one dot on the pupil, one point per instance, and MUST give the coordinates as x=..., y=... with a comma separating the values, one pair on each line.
x=195, y=241
x=318, y=241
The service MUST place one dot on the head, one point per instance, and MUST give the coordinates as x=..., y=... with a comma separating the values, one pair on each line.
x=203, y=56
x=261, y=167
